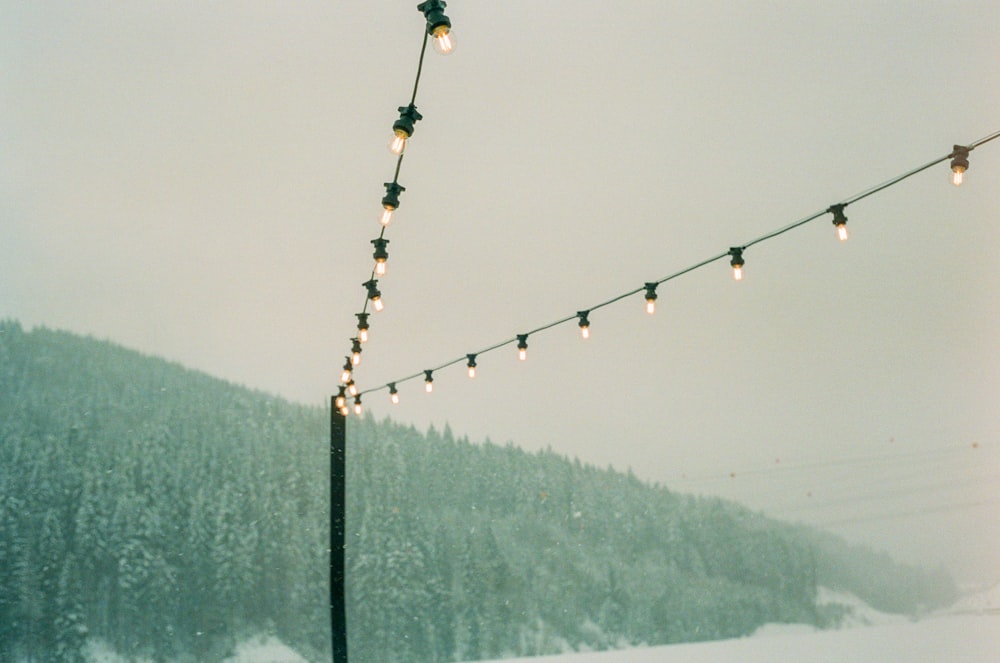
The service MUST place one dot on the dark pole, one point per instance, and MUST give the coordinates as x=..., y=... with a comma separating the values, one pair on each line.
x=338, y=475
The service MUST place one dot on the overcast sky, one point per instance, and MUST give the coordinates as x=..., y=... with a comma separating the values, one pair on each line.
x=200, y=181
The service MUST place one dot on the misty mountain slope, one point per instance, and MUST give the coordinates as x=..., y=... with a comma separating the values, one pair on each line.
x=169, y=514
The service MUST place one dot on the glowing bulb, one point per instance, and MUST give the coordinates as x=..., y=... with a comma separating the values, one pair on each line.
x=380, y=268
x=393, y=393
x=522, y=346
x=356, y=358
x=386, y=217
x=345, y=376
x=362, y=327
x=444, y=41
x=584, y=323
x=471, y=365
x=344, y=411
x=352, y=388
x=522, y=354
x=959, y=164
x=428, y=381
x=398, y=142
x=472, y=371
x=651, y=298
x=737, y=262
x=842, y=232
x=357, y=406
x=341, y=399
x=839, y=220
x=377, y=303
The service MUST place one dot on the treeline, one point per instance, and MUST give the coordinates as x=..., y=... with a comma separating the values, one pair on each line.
x=172, y=514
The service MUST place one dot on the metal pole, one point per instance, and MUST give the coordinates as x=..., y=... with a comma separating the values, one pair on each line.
x=338, y=475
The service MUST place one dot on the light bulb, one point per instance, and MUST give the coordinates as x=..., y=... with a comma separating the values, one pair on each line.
x=651, y=298
x=428, y=381
x=377, y=304
x=352, y=388
x=344, y=411
x=357, y=406
x=345, y=375
x=356, y=358
x=341, y=398
x=737, y=262
x=471, y=365
x=362, y=327
x=839, y=220
x=522, y=347
x=398, y=142
x=380, y=268
x=390, y=201
x=959, y=164
x=522, y=354
x=393, y=393
x=444, y=41
x=584, y=323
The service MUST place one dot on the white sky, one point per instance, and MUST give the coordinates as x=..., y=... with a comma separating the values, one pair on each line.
x=201, y=181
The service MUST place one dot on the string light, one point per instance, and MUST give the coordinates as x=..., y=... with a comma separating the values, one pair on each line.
x=402, y=128
x=357, y=405
x=380, y=255
x=390, y=201
x=373, y=294
x=362, y=327
x=584, y=323
x=651, y=298
x=959, y=164
x=355, y=352
x=439, y=28
x=438, y=25
x=839, y=220
x=393, y=393
x=345, y=375
x=737, y=262
x=341, y=398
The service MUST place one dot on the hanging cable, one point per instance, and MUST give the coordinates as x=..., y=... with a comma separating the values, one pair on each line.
x=735, y=254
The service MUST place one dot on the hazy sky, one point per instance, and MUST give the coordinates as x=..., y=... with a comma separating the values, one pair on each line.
x=200, y=181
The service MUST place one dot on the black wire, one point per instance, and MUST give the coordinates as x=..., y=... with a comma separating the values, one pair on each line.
x=420, y=68
x=864, y=194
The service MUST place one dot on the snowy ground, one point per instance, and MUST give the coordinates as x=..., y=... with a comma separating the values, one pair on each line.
x=968, y=632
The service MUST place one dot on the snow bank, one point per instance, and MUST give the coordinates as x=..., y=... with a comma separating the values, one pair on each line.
x=955, y=639
x=256, y=650
x=985, y=602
